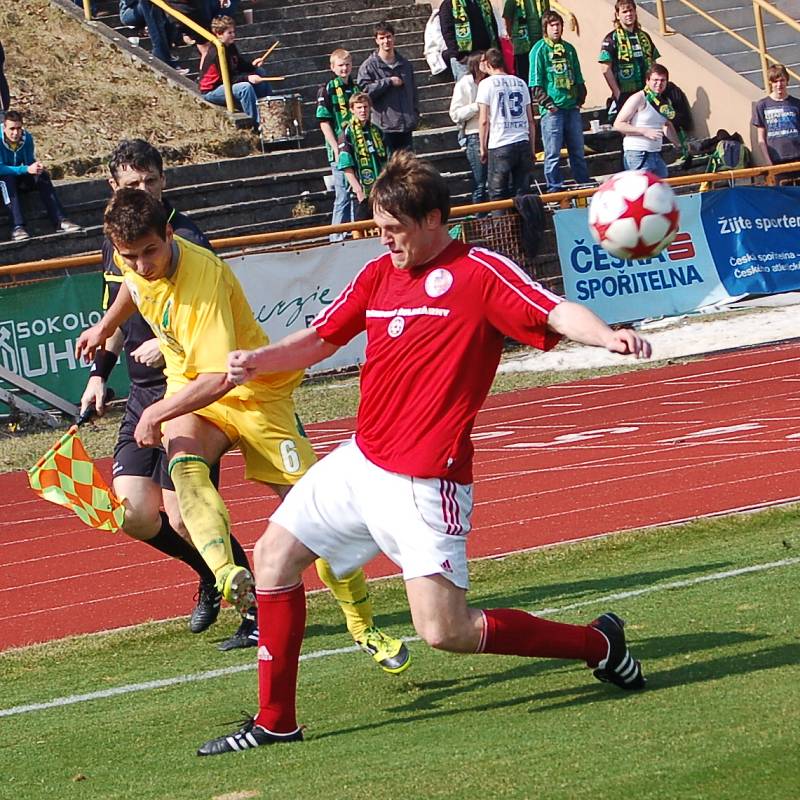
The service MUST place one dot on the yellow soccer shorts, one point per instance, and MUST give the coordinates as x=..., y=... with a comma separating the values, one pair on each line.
x=269, y=434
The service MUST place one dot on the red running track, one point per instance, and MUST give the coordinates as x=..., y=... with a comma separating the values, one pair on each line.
x=553, y=464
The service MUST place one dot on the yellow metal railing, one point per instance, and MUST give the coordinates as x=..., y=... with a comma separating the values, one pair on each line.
x=759, y=6
x=200, y=31
x=564, y=199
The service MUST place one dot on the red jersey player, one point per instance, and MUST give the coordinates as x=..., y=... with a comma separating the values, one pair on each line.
x=435, y=312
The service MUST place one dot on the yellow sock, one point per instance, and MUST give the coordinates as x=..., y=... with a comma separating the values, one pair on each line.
x=352, y=595
x=203, y=512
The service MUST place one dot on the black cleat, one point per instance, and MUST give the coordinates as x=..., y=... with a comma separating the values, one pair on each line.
x=206, y=611
x=248, y=736
x=246, y=634
x=619, y=666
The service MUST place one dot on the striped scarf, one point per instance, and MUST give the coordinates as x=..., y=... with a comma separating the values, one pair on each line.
x=558, y=59
x=624, y=49
x=463, y=30
x=370, y=153
x=520, y=30
x=663, y=106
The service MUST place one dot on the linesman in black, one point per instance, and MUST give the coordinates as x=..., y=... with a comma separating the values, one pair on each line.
x=140, y=474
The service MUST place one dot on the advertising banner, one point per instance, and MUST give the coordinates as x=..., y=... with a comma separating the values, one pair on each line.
x=732, y=242
x=287, y=290
x=39, y=323
x=682, y=278
x=754, y=234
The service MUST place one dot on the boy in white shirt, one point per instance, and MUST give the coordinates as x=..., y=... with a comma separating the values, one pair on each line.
x=507, y=135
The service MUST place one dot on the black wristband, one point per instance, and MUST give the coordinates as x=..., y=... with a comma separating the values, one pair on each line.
x=104, y=361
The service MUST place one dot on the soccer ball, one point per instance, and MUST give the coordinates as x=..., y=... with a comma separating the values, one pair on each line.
x=634, y=215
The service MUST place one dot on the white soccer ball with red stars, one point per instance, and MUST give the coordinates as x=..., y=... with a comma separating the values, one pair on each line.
x=634, y=215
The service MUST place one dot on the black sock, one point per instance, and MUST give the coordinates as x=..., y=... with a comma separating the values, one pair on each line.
x=171, y=543
x=239, y=555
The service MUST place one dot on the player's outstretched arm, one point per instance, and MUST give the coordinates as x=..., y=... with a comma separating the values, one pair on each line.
x=296, y=351
x=582, y=325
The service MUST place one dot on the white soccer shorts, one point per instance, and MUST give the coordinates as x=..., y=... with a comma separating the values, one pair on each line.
x=347, y=510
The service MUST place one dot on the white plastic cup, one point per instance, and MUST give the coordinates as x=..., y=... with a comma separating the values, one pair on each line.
x=594, y=124
x=328, y=182
x=247, y=13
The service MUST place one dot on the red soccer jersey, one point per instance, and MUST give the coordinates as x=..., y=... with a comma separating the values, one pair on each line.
x=434, y=340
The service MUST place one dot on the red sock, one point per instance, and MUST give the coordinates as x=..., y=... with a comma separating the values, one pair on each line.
x=511, y=632
x=281, y=624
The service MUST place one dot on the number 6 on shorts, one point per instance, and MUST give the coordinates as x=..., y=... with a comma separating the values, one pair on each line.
x=290, y=456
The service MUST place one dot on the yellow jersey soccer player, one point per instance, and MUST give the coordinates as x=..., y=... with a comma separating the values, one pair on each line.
x=197, y=309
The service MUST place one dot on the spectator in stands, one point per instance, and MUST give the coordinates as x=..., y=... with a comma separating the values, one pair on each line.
x=247, y=79
x=776, y=118
x=5, y=92
x=507, y=135
x=644, y=120
x=362, y=155
x=625, y=55
x=388, y=78
x=559, y=89
x=333, y=113
x=159, y=30
x=130, y=14
x=468, y=26
x=524, y=26
x=19, y=172
x=464, y=112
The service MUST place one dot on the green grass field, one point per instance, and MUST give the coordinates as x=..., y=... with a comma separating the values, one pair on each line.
x=720, y=718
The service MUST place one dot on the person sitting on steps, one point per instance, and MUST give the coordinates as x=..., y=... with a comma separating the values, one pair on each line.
x=248, y=82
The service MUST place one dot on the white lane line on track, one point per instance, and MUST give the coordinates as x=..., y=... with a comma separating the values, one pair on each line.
x=596, y=388
x=130, y=688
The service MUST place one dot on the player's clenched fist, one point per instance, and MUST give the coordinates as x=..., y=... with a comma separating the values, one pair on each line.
x=241, y=366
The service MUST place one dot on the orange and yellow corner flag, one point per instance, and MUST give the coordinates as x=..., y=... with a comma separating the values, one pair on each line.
x=67, y=476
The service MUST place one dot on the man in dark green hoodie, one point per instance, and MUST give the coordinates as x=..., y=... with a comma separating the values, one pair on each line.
x=20, y=171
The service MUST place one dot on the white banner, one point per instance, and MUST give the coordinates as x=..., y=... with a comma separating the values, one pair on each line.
x=287, y=290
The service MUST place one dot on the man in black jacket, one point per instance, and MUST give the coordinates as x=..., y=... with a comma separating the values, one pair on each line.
x=140, y=474
x=468, y=26
x=388, y=78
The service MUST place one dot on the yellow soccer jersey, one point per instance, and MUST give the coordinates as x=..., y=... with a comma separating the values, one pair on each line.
x=199, y=315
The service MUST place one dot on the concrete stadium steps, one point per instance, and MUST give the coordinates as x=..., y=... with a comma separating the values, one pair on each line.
x=782, y=40
x=257, y=193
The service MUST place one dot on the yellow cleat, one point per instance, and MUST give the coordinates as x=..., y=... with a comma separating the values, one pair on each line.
x=237, y=586
x=390, y=654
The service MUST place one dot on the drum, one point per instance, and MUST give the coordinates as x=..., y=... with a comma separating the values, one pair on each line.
x=281, y=118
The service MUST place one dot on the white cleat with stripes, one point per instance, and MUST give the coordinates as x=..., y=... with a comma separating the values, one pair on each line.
x=247, y=737
x=619, y=666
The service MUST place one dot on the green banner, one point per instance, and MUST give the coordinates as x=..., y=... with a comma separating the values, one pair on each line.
x=39, y=323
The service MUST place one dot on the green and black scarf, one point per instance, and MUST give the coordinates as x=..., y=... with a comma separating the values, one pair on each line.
x=463, y=30
x=520, y=32
x=624, y=48
x=370, y=153
x=659, y=103
x=562, y=75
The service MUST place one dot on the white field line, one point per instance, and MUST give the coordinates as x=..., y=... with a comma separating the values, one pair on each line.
x=146, y=686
